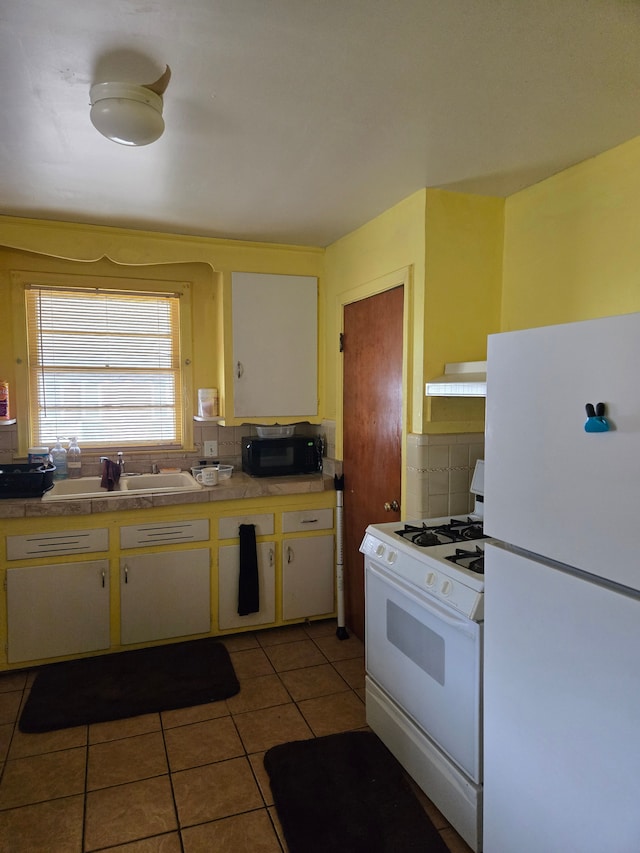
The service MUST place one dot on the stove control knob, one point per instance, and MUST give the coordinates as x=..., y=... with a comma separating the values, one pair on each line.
x=446, y=587
x=380, y=550
x=431, y=578
x=391, y=557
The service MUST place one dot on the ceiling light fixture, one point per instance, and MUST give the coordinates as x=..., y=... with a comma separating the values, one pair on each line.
x=127, y=113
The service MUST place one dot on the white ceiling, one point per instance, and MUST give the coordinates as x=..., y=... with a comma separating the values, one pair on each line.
x=296, y=121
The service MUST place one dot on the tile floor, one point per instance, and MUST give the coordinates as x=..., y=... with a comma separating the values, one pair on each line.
x=186, y=781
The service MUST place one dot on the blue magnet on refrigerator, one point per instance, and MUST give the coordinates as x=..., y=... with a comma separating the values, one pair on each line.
x=596, y=421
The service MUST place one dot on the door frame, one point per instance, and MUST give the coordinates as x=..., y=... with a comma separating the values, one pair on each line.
x=402, y=277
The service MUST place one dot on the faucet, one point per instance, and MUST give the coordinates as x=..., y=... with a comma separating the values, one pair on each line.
x=120, y=461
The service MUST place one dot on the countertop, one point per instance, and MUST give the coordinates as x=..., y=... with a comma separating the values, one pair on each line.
x=238, y=487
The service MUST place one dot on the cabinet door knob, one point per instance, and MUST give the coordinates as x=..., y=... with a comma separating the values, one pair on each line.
x=239, y=369
x=394, y=506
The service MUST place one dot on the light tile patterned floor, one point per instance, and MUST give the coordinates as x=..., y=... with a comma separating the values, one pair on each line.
x=185, y=781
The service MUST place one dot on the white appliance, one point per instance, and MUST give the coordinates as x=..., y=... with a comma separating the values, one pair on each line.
x=424, y=611
x=562, y=602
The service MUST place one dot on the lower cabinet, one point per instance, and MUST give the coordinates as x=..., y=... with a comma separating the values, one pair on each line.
x=228, y=580
x=164, y=594
x=56, y=610
x=307, y=577
x=162, y=572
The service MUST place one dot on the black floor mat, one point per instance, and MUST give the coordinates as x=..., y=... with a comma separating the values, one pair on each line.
x=126, y=684
x=347, y=792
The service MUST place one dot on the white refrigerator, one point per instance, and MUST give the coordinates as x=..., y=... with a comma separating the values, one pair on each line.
x=562, y=594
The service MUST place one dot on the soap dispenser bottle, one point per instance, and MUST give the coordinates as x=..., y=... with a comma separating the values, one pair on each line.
x=74, y=459
x=59, y=459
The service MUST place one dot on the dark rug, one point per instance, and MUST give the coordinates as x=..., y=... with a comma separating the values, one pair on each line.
x=347, y=792
x=126, y=684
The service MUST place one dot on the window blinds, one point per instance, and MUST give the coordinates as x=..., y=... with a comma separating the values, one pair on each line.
x=104, y=366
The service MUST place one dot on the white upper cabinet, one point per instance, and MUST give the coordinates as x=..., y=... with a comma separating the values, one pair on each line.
x=275, y=345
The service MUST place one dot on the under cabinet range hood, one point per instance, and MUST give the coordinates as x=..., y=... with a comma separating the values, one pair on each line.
x=465, y=379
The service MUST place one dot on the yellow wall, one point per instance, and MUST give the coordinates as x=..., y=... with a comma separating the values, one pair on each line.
x=463, y=280
x=381, y=254
x=572, y=243
x=451, y=244
x=565, y=249
x=36, y=245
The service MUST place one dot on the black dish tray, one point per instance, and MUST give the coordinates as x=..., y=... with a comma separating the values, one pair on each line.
x=25, y=481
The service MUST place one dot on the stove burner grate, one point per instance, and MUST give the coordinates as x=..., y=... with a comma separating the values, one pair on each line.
x=446, y=533
x=425, y=539
x=472, y=560
x=473, y=531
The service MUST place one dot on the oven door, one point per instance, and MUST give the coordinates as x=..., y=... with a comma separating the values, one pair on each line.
x=428, y=659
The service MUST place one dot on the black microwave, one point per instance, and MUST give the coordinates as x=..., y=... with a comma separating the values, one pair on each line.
x=275, y=457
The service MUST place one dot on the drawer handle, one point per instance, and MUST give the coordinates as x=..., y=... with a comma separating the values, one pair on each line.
x=310, y=521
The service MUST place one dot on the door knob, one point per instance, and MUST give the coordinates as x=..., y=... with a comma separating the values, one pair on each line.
x=394, y=506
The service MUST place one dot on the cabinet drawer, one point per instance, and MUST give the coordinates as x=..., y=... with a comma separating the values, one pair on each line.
x=307, y=519
x=164, y=533
x=228, y=527
x=51, y=544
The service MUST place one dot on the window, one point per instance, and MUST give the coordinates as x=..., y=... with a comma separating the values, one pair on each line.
x=104, y=365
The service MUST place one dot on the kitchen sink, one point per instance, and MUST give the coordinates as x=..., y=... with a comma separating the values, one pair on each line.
x=142, y=484
x=83, y=487
x=179, y=481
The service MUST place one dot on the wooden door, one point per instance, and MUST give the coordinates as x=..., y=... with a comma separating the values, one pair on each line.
x=372, y=424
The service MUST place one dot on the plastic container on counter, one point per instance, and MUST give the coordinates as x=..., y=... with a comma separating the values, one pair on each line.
x=74, y=459
x=204, y=463
x=25, y=481
x=59, y=459
x=38, y=456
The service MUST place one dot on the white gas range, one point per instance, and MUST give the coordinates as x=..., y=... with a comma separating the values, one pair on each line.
x=424, y=587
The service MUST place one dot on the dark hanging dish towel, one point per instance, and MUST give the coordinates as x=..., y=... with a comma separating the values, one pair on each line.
x=110, y=475
x=248, y=586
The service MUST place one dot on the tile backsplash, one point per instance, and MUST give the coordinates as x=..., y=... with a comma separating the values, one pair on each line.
x=438, y=473
x=228, y=443
x=438, y=468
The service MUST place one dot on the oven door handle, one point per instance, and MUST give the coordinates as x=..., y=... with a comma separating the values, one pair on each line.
x=458, y=621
